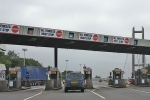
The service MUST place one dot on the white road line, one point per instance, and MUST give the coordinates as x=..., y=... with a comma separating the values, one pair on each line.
x=140, y=91
x=96, y=93
x=33, y=96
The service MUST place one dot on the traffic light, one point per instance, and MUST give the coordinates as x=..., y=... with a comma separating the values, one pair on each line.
x=27, y=74
x=71, y=35
x=110, y=73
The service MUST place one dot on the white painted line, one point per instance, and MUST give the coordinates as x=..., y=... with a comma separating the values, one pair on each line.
x=140, y=91
x=96, y=93
x=99, y=95
x=33, y=96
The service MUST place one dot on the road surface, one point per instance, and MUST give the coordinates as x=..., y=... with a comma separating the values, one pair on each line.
x=101, y=92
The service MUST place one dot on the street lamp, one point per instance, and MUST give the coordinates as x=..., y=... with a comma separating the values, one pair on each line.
x=66, y=67
x=80, y=67
x=24, y=54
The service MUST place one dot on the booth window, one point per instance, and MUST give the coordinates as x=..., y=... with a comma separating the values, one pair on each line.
x=71, y=35
x=30, y=31
x=135, y=42
x=105, y=38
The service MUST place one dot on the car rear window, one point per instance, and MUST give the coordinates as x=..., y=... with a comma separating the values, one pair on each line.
x=74, y=75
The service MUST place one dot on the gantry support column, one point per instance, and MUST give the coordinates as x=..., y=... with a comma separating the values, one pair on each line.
x=133, y=57
x=55, y=56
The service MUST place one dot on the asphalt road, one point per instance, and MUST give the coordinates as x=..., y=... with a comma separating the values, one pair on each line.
x=101, y=92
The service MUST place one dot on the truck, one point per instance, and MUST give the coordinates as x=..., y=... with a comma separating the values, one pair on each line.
x=37, y=75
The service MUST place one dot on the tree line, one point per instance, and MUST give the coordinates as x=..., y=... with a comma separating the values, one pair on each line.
x=12, y=59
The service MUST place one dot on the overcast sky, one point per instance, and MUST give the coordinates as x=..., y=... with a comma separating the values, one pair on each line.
x=110, y=17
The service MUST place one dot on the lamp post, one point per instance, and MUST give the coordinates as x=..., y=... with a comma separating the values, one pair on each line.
x=66, y=67
x=24, y=55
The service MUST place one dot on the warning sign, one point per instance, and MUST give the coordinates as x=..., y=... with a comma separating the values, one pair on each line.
x=121, y=40
x=51, y=33
x=88, y=37
x=7, y=28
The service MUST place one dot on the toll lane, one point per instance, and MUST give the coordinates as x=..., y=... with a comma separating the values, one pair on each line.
x=19, y=95
x=121, y=94
x=144, y=89
x=70, y=95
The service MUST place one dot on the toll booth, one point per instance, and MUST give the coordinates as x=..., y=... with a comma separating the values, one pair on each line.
x=54, y=75
x=14, y=78
x=88, y=84
x=141, y=77
x=87, y=73
x=117, y=77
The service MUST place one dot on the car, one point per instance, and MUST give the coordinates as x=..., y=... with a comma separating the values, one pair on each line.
x=74, y=81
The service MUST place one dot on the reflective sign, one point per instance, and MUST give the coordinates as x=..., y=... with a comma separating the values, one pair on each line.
x=143, y=72
x=53, y=72
x=117, y=72
x=13, y=72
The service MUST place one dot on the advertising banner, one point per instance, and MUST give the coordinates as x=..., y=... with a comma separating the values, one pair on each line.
x=51, y=33
x=121, y=40
x=88, y=37
x=8, y=28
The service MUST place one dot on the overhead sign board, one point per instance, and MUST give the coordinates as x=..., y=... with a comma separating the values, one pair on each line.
x=51, y=33
x=8, y=28
x=88, y=37
x=14, y=69
x=121, y=40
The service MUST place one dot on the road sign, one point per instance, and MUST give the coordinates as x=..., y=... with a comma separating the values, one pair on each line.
x=126, y=40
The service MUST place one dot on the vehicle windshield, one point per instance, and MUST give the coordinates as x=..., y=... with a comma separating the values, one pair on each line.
x=74, y=75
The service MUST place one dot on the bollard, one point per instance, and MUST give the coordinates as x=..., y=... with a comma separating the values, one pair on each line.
x=122, y=83
x=27, y=84
x=110, y=82
x=49, y=85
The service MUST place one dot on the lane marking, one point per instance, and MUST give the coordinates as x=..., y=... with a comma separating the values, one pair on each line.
x=139, y=90
x=33, y=96
x=96, y=93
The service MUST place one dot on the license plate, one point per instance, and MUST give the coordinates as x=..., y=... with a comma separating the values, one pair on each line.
x=74, y=82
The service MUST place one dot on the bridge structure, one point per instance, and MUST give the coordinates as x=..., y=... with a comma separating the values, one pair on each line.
x=57, y=38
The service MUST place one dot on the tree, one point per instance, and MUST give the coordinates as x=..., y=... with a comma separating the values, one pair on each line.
x=148, y=67
x=48, y=67
x=11, y=59
x=97, y=76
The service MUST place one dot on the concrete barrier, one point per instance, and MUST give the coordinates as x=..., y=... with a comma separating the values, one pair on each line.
x=122, y=83
x=89, y=84
x=49, y=85
x=110, y=82
x=3, y=86
x=27, y=84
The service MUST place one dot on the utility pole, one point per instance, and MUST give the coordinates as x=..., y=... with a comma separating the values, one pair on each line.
x=66, y=67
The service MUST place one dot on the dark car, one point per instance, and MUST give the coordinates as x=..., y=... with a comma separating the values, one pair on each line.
x=74, y=81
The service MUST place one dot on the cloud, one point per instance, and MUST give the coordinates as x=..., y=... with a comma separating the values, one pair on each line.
x=97, y=16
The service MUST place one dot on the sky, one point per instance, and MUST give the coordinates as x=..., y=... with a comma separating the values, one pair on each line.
x=109, y=17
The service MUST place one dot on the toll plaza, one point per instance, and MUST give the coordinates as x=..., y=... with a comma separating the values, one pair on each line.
x=55, y=79
x=141, y=77
x=116, y=80
x=3, y=82
x=14, y=78
x=88, y=77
